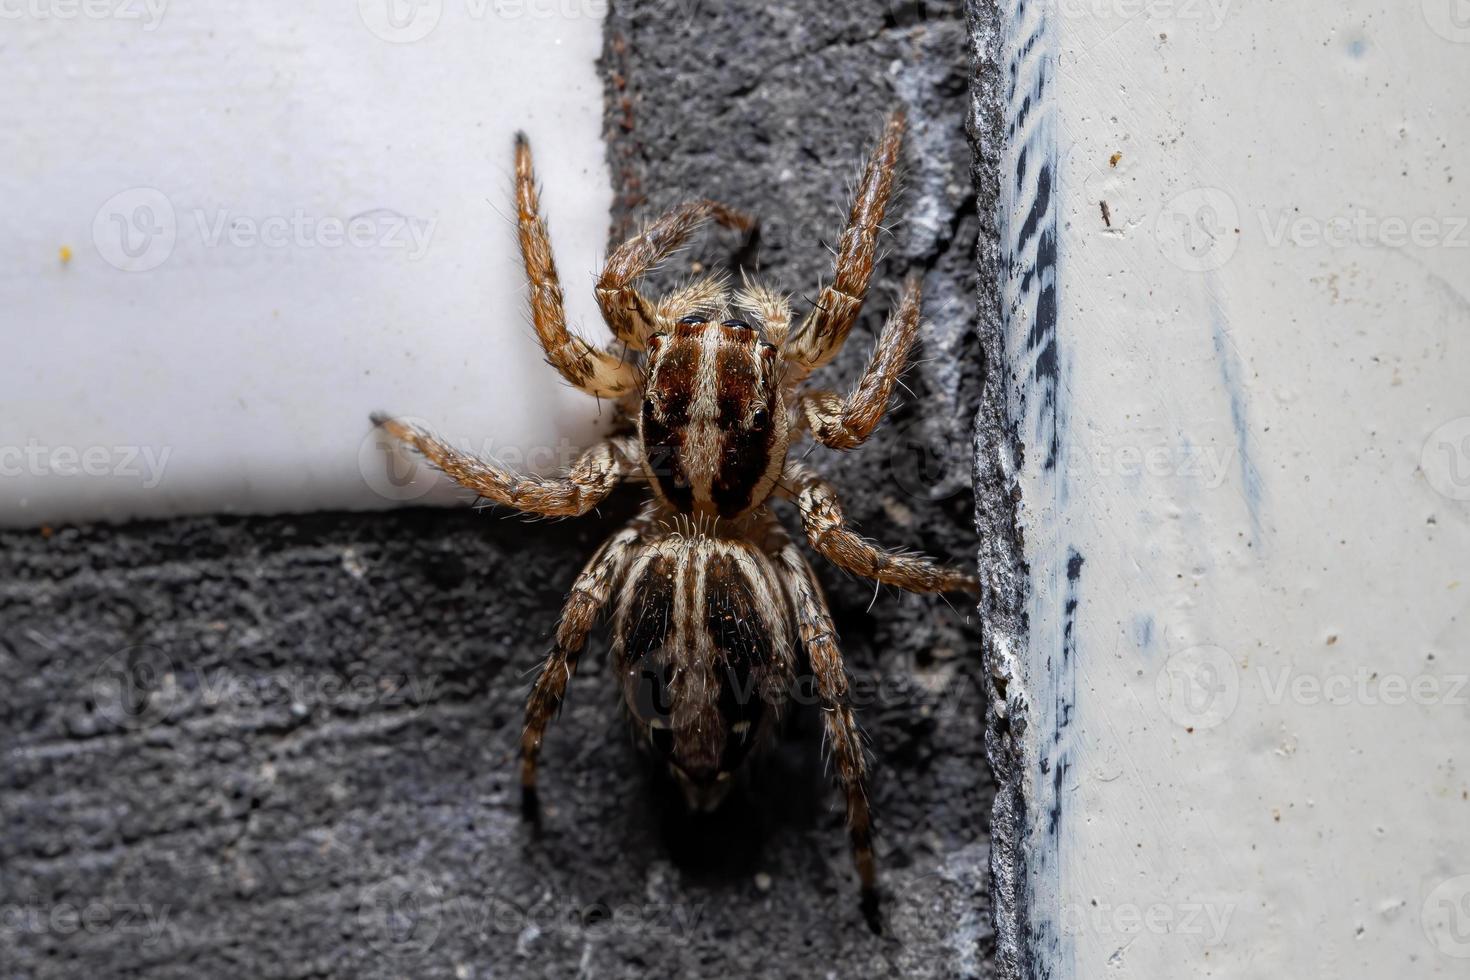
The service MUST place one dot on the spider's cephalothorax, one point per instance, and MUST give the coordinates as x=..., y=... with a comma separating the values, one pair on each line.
x=709, y=596
x=713, y=420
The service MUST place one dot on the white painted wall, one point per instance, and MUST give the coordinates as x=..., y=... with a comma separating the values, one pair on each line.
x=1254, y=685
x=280, y=216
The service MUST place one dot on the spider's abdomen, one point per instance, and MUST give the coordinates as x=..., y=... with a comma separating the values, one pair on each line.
x=702, y=644
x=713, y=424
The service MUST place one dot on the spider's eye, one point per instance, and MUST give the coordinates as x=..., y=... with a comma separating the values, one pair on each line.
x=648, y=406
x=760, y=419
x=694, y=318
x=738, y=324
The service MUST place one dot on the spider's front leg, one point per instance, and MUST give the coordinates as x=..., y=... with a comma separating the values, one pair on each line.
x=595, y=371
x=587, y=483
x=824, y=329
x=826, y=529
x=845, y=423
x=629, y=314
x=819, y=637
x=590, y=593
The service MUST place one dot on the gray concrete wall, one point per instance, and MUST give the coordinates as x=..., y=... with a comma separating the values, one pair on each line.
x=284, y=746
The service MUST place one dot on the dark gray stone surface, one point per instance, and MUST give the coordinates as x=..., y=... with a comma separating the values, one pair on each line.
x=285, y=746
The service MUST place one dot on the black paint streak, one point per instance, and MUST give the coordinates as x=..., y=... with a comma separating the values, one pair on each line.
x=1054, y=813
x=1067, y=681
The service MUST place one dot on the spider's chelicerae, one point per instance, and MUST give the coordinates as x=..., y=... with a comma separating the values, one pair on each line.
x=708, y=594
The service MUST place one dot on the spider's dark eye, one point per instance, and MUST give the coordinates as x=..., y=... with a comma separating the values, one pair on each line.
x=694, y=318
x=760, y=419
x=739, y=324
x=648, y=406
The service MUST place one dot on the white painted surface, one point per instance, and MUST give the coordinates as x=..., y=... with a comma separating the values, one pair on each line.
x=281, y=216
x=1260, y=708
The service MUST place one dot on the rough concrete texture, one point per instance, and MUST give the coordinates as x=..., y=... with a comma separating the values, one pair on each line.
x=284, y=747
x=998, y=458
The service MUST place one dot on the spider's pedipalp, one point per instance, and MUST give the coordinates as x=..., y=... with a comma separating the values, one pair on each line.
x=705, y=295
x=595, y=371
x=824, y=329
x=845, y=423
x=770, y=307
x=629, y=314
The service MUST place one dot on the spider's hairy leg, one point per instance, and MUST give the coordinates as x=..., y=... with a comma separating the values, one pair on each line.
x=824, y=329
x=845, y=423
x=590, y=593
x=822, y=520
x=589, y=480
x=819, y=637
x=770, y=307
x=596, y=372
x=629, y=314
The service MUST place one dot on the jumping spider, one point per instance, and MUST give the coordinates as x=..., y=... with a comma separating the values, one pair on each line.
x=708, y=593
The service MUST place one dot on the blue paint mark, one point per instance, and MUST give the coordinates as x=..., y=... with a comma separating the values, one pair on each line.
x=1228, y=359
x=1030, y=312
x=1143, y=631
x=1358, y=47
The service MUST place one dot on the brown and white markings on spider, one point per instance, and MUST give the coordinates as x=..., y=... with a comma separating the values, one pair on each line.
x=707, y=592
